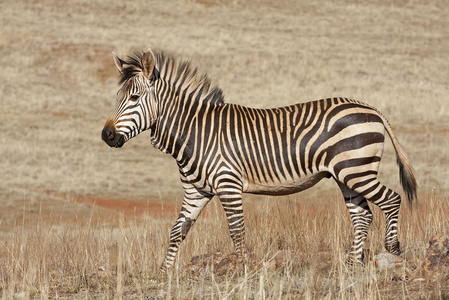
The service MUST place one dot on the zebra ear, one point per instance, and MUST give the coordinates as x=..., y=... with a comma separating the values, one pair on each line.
x=148, y=63
x=118, y=63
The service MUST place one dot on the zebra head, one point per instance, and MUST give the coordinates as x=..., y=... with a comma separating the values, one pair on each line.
x=136, y=109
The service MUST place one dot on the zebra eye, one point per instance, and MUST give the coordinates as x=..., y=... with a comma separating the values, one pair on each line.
x=134, y=98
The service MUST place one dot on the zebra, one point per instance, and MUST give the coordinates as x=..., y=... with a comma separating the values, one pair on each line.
x=228, y=149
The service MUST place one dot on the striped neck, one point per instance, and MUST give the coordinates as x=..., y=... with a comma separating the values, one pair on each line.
x=185, y=98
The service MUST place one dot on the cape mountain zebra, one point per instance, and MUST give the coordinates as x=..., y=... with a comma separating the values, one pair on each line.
x=227, y=149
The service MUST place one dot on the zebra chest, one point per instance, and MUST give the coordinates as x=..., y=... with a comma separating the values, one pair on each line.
x=283, y=186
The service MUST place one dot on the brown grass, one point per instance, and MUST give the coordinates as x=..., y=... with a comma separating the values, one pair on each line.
x=58, y=88
x=119, y=258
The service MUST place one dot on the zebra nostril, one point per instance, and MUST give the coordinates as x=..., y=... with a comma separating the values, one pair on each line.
x=108, y=133
x=111, y=134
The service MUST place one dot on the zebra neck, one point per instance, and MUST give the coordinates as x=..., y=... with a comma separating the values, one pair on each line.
x=182, y=131
x=186, y=101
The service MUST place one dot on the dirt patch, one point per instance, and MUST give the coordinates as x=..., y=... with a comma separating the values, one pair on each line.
x=125, y=206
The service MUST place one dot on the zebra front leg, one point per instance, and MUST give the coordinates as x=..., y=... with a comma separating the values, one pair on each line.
x=192, y=206
x=232, y=205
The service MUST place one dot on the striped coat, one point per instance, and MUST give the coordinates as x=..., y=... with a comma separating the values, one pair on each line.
x=227, y=149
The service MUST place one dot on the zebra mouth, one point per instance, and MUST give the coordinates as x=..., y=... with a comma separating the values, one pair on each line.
x=120, y=141
x=112, y=138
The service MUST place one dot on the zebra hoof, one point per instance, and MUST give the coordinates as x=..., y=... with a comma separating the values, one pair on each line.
x=164, y=269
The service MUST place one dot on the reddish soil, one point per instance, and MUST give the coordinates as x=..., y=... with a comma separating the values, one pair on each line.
x=128, y=207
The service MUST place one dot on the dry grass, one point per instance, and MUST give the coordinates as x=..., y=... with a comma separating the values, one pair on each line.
x=58, y=87
x=54, y=259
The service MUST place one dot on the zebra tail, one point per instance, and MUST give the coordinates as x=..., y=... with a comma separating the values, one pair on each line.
x=406, y=172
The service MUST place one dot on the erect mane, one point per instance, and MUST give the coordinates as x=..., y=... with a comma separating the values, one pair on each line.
x=133, y=67
x=180, y=74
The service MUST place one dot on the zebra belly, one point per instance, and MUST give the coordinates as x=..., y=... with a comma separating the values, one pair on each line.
x=285, y=187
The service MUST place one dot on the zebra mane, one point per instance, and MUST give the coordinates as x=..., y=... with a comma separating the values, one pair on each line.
x=179, y=73
x=133, y=67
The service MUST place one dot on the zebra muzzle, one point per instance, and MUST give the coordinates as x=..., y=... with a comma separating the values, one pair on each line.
x=111, y=137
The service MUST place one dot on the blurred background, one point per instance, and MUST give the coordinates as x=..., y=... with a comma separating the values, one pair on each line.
x=58, y=86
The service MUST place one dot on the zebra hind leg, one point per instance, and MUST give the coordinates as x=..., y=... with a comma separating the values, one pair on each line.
x=361, y=218
x=389, y=202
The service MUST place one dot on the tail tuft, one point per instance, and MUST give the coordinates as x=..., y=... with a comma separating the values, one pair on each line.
x=407, y=178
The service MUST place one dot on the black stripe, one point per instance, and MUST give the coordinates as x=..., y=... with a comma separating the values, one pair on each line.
x=354, y=162
x=357, y=175
x=352, y=143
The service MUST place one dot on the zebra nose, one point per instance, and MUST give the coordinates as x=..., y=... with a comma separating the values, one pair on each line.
x=108, y=133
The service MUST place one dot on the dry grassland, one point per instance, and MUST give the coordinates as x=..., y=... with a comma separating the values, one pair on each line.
x=58, y=87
